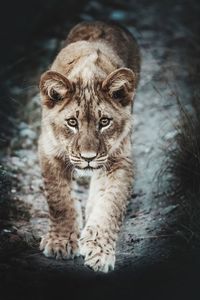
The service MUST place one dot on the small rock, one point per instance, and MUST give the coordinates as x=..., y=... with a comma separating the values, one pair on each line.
x=118, y=15
x=170, y=135
x=28, y=133
x=86, y=17
x=94, y=6
x=23, y=125
x=51, y=44
x=36, y=99
x=168, y=209
x=7, y=230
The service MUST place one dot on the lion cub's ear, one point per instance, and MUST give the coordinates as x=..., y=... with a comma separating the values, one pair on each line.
x=120, y=84
x=54, y=87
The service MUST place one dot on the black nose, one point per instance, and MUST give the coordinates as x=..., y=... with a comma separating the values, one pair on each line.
x=88, y=156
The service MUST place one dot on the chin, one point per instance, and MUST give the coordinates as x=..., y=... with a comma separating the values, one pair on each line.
x=85, y=172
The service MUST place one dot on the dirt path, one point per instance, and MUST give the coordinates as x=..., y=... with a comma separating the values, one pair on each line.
x=151, y=218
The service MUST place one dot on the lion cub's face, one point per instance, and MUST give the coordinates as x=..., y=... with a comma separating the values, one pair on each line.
x=87, y=120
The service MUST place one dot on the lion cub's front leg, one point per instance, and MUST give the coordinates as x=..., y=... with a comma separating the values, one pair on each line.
x=106, y=208
x=61, y=239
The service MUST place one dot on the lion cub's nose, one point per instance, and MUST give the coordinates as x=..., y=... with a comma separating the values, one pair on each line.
x=88, y=156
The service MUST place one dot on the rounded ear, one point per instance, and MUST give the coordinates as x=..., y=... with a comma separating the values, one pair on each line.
x=120, y=84
x=54, y=87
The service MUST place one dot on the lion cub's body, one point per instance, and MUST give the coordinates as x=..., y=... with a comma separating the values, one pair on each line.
x=86, y=125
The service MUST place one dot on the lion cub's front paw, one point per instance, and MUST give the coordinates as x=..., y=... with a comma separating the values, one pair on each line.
x=60, y=247
x=98, y=252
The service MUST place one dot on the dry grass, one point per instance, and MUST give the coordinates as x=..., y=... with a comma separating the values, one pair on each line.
x=182, y=165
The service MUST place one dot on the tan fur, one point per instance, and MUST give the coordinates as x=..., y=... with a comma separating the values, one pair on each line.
x=87, y=96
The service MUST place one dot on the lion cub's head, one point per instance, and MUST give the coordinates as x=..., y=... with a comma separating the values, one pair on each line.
x=86, y=121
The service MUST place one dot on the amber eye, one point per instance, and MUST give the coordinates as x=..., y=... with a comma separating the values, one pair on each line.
x=72, y=122
x=104, y=122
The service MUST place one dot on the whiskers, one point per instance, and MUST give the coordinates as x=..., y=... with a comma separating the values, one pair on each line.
x=107, y=165
x=102, y=159
x=83, y=168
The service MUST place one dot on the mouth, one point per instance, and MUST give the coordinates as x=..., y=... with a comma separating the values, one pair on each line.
x=88, y=168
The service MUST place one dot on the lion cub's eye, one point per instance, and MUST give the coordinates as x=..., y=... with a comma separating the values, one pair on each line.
x=104, y=122
x=72, y=122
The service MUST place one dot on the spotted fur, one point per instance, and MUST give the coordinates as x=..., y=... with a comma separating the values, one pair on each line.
x=87, y=97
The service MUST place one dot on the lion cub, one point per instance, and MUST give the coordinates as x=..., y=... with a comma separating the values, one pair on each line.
x=87, y=98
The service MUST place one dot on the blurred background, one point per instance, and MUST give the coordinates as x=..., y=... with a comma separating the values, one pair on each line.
x=158, y=252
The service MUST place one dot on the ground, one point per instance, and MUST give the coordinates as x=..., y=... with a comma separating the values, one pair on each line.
x=153, y=251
